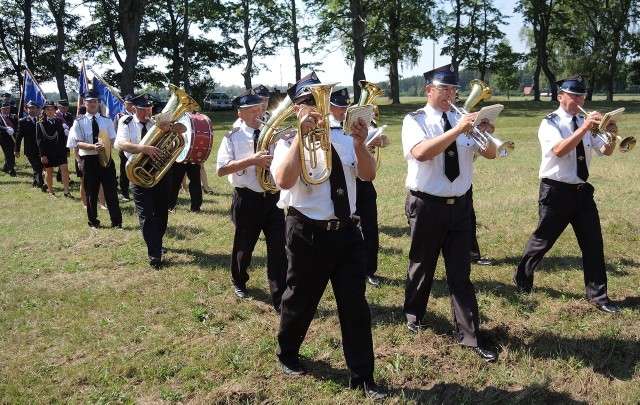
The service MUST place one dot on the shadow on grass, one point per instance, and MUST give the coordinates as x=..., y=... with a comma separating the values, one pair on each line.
x=553, y=264
x=394, y=231
x=611, y=357
x=453, y=393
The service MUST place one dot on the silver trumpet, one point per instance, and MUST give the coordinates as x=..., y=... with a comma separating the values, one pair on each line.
x=600, y=131
x=484, y=138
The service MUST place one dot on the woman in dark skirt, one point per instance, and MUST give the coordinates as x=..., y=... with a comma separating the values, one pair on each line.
x=52, y=142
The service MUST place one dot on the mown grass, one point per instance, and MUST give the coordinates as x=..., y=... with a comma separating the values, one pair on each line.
x=85, y=320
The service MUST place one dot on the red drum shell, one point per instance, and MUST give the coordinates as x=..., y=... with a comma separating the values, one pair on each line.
x=198, y=138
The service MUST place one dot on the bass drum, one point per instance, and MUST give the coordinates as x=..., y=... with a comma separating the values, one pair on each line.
x=198, y=138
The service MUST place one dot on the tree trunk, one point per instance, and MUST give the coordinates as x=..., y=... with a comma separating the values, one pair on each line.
x=296, y=40
x=58, y=13
x=246, y=73
x=28, y=45
x=394, y=76
x=358, y=28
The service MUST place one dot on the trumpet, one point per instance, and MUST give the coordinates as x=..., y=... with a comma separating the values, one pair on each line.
x=600, y=131
x=484, y=138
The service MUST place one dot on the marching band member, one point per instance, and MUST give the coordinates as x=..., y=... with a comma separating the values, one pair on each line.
x=84, y=136
x=262, y=92
x=152, y=204
x=440, y=169
x=178, y=172
x=123, y=180
x=27, y=131
x=323, y=243
x=52, y=144
x=565, y=196
x=252, y=209
x=8, y=126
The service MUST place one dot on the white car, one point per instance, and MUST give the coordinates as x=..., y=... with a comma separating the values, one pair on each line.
x=217, y=101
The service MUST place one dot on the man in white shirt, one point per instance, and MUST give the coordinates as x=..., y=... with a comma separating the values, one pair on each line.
x=439, y=156
x=565, y=196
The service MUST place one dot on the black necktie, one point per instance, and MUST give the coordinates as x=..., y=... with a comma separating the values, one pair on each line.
x=144, y=130
x=256, y=135
x=95, y=129
x=581, y=159
x=451, y=165
x=338, y=184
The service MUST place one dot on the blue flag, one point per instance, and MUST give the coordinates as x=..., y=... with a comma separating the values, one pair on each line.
x=32, y=90
x=110, y=104
x=82, y=85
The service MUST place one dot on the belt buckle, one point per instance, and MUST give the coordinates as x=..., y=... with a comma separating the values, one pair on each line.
x=451, y=201
x=333, y=225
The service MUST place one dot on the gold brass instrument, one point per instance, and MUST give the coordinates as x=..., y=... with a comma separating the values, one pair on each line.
x=315, y=146
x=600, y=131
x=105, y=156
x=368, y=93
x=481, y=91
x=269, y=135
x=145, y=171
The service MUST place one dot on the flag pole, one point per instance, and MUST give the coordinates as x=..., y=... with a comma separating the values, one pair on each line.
x=107, y=85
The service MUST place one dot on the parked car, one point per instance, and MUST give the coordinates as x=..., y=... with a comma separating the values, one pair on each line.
x=217, y=101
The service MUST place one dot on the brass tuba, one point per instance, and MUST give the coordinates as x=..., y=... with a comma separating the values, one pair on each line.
x=146, y=172
x=368, y=94
x=315, y=146
x=481, y=91
x=269, y=135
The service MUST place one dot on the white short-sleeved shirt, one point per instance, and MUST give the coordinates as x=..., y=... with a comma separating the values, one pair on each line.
x=428, y=176
x=130, y=132
x=82, y=131
x=553, y=129
x=314, y=201
x=237, y=145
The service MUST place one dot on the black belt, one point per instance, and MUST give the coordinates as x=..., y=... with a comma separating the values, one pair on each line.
x=248, y=191
x=328, y=225
x=435, y=198
x=556, y=183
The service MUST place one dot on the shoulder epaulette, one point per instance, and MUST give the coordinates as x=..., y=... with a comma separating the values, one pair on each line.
x=104, y=116
x=127, y=120
x=417, y=112
x=335, y=127
x=233, y=131
x=551, y=116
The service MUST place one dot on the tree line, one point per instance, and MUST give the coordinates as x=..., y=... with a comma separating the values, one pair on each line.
x=598, y=38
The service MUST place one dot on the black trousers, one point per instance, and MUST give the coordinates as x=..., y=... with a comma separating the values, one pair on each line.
x=36, y=165
x=475, y=247
x=152, y=206
x=123, y=179
x=561, y=204
x=192, y=170
x=317, y=256
x=367, y=210
x=251, y=213
x=95, y=175
x=437, y=227
x=8, y=147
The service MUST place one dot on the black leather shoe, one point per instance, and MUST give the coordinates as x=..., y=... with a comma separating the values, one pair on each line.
x=414, y=326
x=155, y=262
x=164, y=250
x=293, y=369
x=240, y=293
x=371, y=389
x=485, y=354
x=521, y=289
x=373, y=280
x=608, y=308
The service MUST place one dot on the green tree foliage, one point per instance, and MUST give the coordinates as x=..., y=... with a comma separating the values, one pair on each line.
x=488, y=35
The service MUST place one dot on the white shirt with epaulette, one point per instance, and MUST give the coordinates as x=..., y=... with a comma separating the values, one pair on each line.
x=237, y=145
x=82, y=131
x=314, y=201
x=428, y=176
x=130, y=129
x=554, y=128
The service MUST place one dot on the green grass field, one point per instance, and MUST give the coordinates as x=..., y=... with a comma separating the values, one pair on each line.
x=84, y=319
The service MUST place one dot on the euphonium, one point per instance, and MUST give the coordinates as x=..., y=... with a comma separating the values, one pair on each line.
x=626, y=144
x=315, y=146
x=269, y=135
x=146, y=172
x=481, y=91
x=369, y=92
